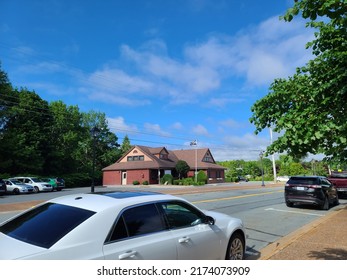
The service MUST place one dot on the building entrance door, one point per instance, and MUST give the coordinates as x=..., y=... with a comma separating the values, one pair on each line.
x=124, y=178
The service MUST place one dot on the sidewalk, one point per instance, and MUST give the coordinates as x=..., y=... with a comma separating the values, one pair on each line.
x=324, y=239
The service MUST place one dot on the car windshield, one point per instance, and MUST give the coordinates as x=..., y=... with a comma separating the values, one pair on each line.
x=303, y=181
x=44, y=225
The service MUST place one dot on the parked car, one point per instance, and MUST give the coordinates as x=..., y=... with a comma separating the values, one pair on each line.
x=3, y=188
x=57, y=183
x=339, y=180
x=241, y=179
x=60, y=183
x=121, y=225
x=282, y=178
x=316, y=190
x=16, y=187
x=36, y=183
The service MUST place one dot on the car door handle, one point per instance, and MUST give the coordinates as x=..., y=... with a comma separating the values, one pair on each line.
x=127, y=255
x=185, y=239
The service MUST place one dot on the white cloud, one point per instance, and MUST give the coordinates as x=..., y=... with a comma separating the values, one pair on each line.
x=246, y=147
x=177, y=126
x=230, y=123
x=263, y=67
x=200, y=130
x=246, y=141
x=118, y=125
x=155, y=129
x=255, y=56
x=185, y=75
x=119, y=82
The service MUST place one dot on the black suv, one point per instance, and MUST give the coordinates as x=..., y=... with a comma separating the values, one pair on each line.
x=3, y=187
x=315, y=190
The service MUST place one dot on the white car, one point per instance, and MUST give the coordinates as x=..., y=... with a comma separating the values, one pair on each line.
x=16, y=187
x=37, y=183
x=282, y=178
x=121, y=226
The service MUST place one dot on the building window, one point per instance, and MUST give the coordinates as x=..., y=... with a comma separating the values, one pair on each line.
x=135, y=158
x=163, y=156
x=208, y=158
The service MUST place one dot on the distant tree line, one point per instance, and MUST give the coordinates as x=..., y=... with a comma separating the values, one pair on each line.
x=285, y=166
x=51, y=138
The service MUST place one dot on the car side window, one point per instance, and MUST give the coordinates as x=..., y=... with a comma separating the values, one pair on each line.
x=326, y=182
x=143, y=219
x=119, y=231
x=181, y=215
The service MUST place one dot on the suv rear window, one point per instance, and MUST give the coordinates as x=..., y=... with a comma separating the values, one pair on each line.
x=45, y=225
x=303, y=181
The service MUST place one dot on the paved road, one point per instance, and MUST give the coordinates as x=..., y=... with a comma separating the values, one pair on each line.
x=263, y=211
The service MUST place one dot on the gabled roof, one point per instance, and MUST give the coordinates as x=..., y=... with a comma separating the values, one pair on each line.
x=154, y=163
x=189, y=156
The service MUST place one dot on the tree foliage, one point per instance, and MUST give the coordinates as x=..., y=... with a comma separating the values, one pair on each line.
x=182, y=168
x=309, y=108
x=126, y=146
x=50, y=139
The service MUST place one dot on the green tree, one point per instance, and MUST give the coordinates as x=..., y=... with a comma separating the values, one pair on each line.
x=251, y=168
x=309, y=108
x=182, y=168
x=126, y=146
x=25, y=132
x=66, y=132
x=104, y=143
x=5, y=108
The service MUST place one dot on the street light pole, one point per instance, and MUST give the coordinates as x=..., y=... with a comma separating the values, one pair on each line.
x=94, y=132
x=262, y=168
x=195, y=143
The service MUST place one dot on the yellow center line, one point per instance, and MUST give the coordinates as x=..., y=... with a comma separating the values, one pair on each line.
x=234, y=197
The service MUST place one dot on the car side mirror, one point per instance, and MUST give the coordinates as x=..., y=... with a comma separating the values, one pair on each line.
x=209, y=220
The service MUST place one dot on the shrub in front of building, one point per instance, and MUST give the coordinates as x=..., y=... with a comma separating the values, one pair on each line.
x=166, y=179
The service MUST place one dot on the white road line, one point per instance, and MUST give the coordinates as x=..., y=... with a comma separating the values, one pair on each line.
x=295, y=212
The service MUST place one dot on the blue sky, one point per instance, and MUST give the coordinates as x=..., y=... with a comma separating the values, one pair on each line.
x=164, y=72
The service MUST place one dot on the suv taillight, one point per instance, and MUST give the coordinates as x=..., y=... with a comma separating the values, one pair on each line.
x=315, y=186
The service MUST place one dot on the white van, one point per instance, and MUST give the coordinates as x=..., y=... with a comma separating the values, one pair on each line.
x=37, y=183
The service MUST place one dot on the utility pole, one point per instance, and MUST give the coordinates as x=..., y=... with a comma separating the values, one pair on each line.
x=195, y=143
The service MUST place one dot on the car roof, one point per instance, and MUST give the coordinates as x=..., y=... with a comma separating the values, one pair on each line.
x=308, y=177
x=100, y=201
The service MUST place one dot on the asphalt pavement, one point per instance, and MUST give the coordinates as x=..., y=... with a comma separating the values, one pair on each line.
x=323, y=239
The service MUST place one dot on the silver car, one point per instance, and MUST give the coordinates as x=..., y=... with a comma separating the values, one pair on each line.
x=36, y=183
x=16, y=187
x=121, y=226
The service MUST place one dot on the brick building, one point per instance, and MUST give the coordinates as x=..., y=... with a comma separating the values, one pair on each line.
x=143, y=163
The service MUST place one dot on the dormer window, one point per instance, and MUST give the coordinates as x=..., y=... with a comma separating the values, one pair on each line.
x=208, y=158
x=163, y=156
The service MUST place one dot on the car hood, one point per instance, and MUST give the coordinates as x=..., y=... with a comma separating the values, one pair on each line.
x=12, y=249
